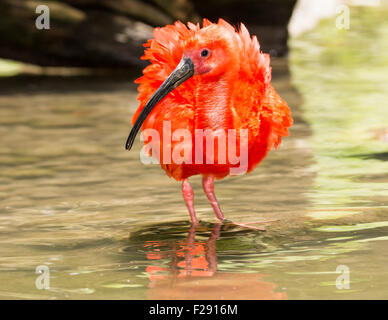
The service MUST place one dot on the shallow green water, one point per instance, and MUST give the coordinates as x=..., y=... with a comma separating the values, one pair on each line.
x=108, y=226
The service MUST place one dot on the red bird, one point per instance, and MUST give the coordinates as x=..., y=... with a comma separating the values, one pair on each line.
x=213, y=78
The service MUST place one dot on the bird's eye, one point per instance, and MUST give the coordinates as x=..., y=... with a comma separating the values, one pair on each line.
x=204, y=53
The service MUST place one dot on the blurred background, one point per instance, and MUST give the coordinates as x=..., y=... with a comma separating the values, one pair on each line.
x=110, y=34
x=106, y=226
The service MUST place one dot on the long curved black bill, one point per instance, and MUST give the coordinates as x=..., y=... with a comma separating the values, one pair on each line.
x=183, y=71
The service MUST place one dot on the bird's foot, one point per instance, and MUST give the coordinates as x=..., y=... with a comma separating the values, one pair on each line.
x=248, y=225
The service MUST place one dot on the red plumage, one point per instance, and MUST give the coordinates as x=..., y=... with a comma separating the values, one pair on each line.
x=238, y=95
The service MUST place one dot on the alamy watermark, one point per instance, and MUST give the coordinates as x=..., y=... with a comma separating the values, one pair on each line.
x=219, y=147
x=343, y=280
x=43, y=280
x=43, y=20
x=343, y=17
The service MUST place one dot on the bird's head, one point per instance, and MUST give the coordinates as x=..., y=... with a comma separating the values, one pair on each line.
x=208, y=52
x=211, y=52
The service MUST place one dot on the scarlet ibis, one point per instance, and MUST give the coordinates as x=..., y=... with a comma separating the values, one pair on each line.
x=213, y=77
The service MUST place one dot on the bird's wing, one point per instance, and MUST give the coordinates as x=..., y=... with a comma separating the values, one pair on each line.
x=276, y=111
x=260, y=98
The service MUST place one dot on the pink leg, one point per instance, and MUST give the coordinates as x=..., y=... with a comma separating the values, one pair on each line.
x=208, y=187
x=188, y=195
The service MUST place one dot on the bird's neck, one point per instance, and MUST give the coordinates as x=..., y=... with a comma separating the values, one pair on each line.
x=212, y=109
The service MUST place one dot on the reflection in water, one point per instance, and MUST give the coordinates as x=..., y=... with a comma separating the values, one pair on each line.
x=190, y=271
x=188, y=258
